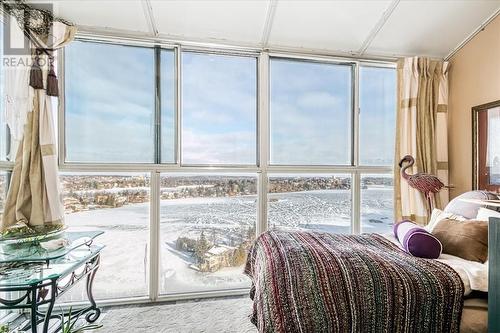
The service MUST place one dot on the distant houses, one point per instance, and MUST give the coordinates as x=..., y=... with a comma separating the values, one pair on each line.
x=91, y=192
x=216, y=258
x=211, y=257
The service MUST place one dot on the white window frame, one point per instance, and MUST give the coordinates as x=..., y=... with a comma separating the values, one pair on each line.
x=262, y=168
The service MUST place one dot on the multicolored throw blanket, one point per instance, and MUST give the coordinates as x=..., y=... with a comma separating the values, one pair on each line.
x=318, y=282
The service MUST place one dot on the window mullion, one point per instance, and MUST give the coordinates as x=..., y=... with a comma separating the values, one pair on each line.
x=263, y=140
x=262, y=211
x=356, y=202
x=154, y=236
x=157, y=120
x=356, y=179
x=178, y=106
x=355, y=115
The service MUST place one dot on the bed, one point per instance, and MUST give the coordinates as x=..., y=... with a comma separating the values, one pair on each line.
x=474, y=276
x=318, y=282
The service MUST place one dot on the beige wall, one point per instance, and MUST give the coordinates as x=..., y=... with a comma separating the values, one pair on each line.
x=474, y=79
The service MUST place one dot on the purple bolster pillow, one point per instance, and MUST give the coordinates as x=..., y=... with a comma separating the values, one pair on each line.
x=417, y=241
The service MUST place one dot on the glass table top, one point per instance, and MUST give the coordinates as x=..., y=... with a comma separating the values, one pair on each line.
x=30, y=252
x=24, y=273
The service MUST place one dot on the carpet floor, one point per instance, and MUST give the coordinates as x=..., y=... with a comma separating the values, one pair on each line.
x=207, y=316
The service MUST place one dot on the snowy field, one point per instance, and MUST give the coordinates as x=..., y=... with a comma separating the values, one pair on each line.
x=123, y=271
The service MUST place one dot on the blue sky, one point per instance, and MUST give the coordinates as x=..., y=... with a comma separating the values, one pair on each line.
x=109, y=103
x=219, y=108
x=377, y=118
x=310, y=113
x=110, y=108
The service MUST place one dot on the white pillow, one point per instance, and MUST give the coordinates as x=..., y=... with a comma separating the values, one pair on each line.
x=438, y=215
x=483, y=214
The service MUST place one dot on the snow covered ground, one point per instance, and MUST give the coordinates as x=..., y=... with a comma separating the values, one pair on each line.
x=123, y=271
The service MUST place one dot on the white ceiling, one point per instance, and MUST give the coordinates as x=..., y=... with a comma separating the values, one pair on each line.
x=359, y=27
x=335, y=25
x=228, y=20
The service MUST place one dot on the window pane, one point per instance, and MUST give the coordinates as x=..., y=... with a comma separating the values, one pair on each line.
x=117, y=204
x=207, y=223
x=492, y=164
x=167, y=106
x=377, y=211
x=219, y=109
x=3, y=123
x=3, y=190
x=310, y=202
x=109, y=103
x=310, y=113
x=377, y=100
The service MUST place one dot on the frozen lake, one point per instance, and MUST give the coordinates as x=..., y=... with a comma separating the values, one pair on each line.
x=226, y=220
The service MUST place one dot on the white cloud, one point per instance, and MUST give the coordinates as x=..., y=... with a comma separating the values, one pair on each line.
x=98, y=140
x=224, y=148
x=313, y=100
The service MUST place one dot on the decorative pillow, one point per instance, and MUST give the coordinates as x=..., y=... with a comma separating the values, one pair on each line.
x=483, y=214
x=464, y=239
x=417, y=241
x=468, y=209
x=438, y=215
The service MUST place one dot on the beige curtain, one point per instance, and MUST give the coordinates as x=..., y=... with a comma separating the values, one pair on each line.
x=421, y=131
x=34, y=193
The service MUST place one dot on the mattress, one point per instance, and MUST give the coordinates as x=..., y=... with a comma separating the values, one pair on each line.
x=474, y=316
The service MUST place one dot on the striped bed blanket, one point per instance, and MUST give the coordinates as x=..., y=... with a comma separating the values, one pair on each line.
x=318, y=282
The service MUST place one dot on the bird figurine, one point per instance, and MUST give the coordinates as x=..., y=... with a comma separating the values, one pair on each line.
x=423, y=182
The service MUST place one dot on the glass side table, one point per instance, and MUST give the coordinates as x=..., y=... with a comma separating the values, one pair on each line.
x=32, y=276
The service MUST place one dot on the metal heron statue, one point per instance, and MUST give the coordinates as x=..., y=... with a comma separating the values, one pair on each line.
x=423, y=182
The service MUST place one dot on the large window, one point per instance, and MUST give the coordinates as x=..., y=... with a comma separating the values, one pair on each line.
x=118, y=204
x=311, y=113
x=183, y=157
x=110, y=107
x=310, y=202
x=4, y=142
x=207, y=223
x=377, y=197
x=3, y=190
x=377, y=118
x=5, y=167
x=219, y=109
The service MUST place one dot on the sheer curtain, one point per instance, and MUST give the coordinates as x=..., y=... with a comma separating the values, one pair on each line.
x=421, y=131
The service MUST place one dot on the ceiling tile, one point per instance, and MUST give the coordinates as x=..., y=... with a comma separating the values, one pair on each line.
x=333, y=25
x=239, y=21
x=416, y=27
x=124, y=15
x=430, y=28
